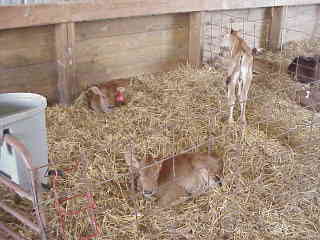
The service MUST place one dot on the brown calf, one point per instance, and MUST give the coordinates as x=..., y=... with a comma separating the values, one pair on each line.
x=184, y=174
x=108, y=95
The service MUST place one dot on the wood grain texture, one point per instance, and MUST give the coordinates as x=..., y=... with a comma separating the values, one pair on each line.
x=65, y=44
x=44, y=14
x=26, y=46
x=38, y=78
x=195, y=38
x=275, y=36
x=123, y=48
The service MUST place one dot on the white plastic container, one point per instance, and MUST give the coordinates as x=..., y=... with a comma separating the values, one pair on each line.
x=23, y=116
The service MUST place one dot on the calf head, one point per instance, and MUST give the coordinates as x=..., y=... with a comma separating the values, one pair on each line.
x=99, y=100
x=232, y=44
x=148, y=170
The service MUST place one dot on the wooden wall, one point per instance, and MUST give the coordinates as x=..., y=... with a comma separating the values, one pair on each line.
x=27, y=61
x=102, y=50
x=302, y=23
x=119, y=48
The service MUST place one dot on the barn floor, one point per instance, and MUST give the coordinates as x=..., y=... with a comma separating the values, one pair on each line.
x=271, y=177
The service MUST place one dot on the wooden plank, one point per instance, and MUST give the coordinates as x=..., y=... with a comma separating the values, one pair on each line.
x=126, y=71
x=125, y=26
x=93, y=49
x=44, y=14
x=65, y=42
x=40, y=78
x=195, y=37
x=26, y=46
x=276, y=28
x=134, y=60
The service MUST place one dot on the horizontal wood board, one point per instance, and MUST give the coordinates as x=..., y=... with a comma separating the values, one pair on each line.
x=119, y=48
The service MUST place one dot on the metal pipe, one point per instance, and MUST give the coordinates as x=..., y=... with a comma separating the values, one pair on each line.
x=20, y=217
x=14, y=235
x=16, y=188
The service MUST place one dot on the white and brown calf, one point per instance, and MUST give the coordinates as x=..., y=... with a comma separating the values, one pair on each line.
x=240, y=71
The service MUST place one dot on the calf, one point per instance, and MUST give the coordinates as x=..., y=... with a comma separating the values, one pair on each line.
x=239, y=70
x=184, y=174
x=104, y=97
x=305, y=69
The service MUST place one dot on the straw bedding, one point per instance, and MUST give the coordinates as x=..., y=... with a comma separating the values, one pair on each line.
x=271, y=176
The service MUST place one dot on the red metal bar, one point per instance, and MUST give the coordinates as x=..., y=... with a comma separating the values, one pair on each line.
x=26, y=157
x=63, y=213
x=25, y=154
x=14, y=235
x=20, y=217
x=16, y=188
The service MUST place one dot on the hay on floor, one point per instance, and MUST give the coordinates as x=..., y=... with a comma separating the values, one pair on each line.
x=271, y=174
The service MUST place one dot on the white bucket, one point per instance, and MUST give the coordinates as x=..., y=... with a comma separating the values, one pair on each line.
x=23, y=116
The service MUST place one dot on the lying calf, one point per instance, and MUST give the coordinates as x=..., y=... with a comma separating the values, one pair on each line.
x=310, y=99
x=107, y=95
x=185, y=174
x=305, y=69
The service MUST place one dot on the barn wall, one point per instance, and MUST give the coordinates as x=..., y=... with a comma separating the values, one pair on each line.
x=302, y=23
x=299, y=23
x=27, y=61
x=119, y=48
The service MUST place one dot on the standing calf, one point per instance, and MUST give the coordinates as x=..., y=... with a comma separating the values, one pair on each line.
x=179, y=176
x=107, y=95
x=239, y=72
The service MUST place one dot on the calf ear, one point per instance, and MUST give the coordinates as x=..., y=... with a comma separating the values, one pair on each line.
x=121, y=89
x=131, y=160
x=96, y=90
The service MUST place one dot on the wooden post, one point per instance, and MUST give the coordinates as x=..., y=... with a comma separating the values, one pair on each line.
x=195, y=35
x=65, y=42
x=276, y=28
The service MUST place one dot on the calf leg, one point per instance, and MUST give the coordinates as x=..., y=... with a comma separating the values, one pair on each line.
x=232, y=95
x=245, y=86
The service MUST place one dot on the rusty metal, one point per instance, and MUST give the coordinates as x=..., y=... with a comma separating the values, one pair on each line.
x=62, y=213
x=20, y=217
x=15, y=187
x=11, y=233
x=40, y=227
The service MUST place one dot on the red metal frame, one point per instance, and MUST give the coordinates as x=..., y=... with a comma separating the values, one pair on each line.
x=40, y=226
x=63, y=213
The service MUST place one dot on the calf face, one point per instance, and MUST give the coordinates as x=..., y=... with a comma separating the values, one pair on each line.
x=305, y=69
x=107, y=95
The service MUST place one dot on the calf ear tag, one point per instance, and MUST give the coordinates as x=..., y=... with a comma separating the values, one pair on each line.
x=120, y=97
